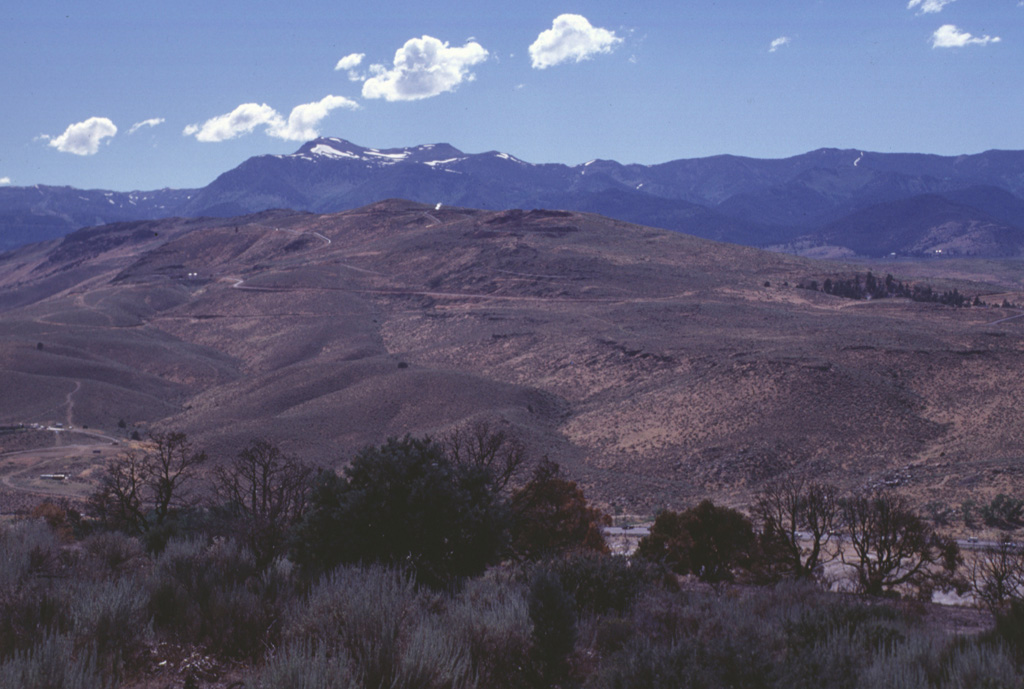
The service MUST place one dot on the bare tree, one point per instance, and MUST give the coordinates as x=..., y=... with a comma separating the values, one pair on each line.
x=264, y=491
x=997, y=575
x=173, y=462
x=493, y=449
x=120, y=500
x=798, y=521
x=143, y=488
x=893, y=547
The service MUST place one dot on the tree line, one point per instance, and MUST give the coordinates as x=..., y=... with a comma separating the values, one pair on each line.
x=447, y=510
x=869, y=286
x=457, y=562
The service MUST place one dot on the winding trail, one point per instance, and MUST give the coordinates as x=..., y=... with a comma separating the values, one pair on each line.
x=69, y=402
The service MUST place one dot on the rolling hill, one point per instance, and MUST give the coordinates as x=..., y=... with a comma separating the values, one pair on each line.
x=656, y=366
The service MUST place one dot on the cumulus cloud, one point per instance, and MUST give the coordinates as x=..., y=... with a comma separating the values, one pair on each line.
x=84, y=138
x=303, y=121
x=571, y=37
x=948, y=36
x=423, y=67
x=778, y=43
x=242, y=120
x=350, y=61
x=5, y=180
x=349, y=64
x=300, y=125
x=929, y=6
x=151, y=122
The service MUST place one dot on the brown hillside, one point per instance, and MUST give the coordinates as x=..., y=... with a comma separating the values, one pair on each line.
x=655, y=366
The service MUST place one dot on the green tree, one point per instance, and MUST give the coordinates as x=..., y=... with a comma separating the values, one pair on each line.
x=405, y=504
x=1004, y=512
x=706, y=540
x=550, y=515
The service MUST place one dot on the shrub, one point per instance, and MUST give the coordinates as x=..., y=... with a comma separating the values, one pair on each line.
x=432, y=658
x=492, y=621
x=600, y=584
x=53, y=664
x=791, y=636
x=112, y=553
x=214, y=595
x=983, y=666
x=363, y=612
x=31, y=606
x=304, y=667
x=552, y=611
x=111, y=618
x=1009, y=627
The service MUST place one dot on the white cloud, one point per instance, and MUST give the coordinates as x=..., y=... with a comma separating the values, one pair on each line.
x=778, y=43
x=242, y=120
x=151, y=122
x=5, y=180
x=929, y=6
x=350, y=61
x=301, y=124
x=84, y=138
x=303, y=120
x=571, y=37
x=423, y=67
x=948, y=36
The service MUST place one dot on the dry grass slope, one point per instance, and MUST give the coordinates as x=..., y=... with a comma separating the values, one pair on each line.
x=655, y=366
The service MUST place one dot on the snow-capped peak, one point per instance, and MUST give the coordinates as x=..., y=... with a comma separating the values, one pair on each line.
x=339, y=149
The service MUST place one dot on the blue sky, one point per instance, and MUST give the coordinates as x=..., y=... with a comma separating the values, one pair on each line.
x=129, y=95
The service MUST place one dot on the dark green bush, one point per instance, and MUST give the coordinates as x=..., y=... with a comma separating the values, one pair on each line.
x=553, y=613
x=405, y=504
x=1004, y=512
x=603, y=583
x=1009, y=628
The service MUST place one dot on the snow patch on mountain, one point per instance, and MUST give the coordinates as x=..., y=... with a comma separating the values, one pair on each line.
x=328, y=151
x=435, y=163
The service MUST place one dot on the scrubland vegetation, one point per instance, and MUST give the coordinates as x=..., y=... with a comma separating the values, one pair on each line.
x=458, y=563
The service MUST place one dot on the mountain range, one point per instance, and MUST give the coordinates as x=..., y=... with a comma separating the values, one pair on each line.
x=825, y=202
